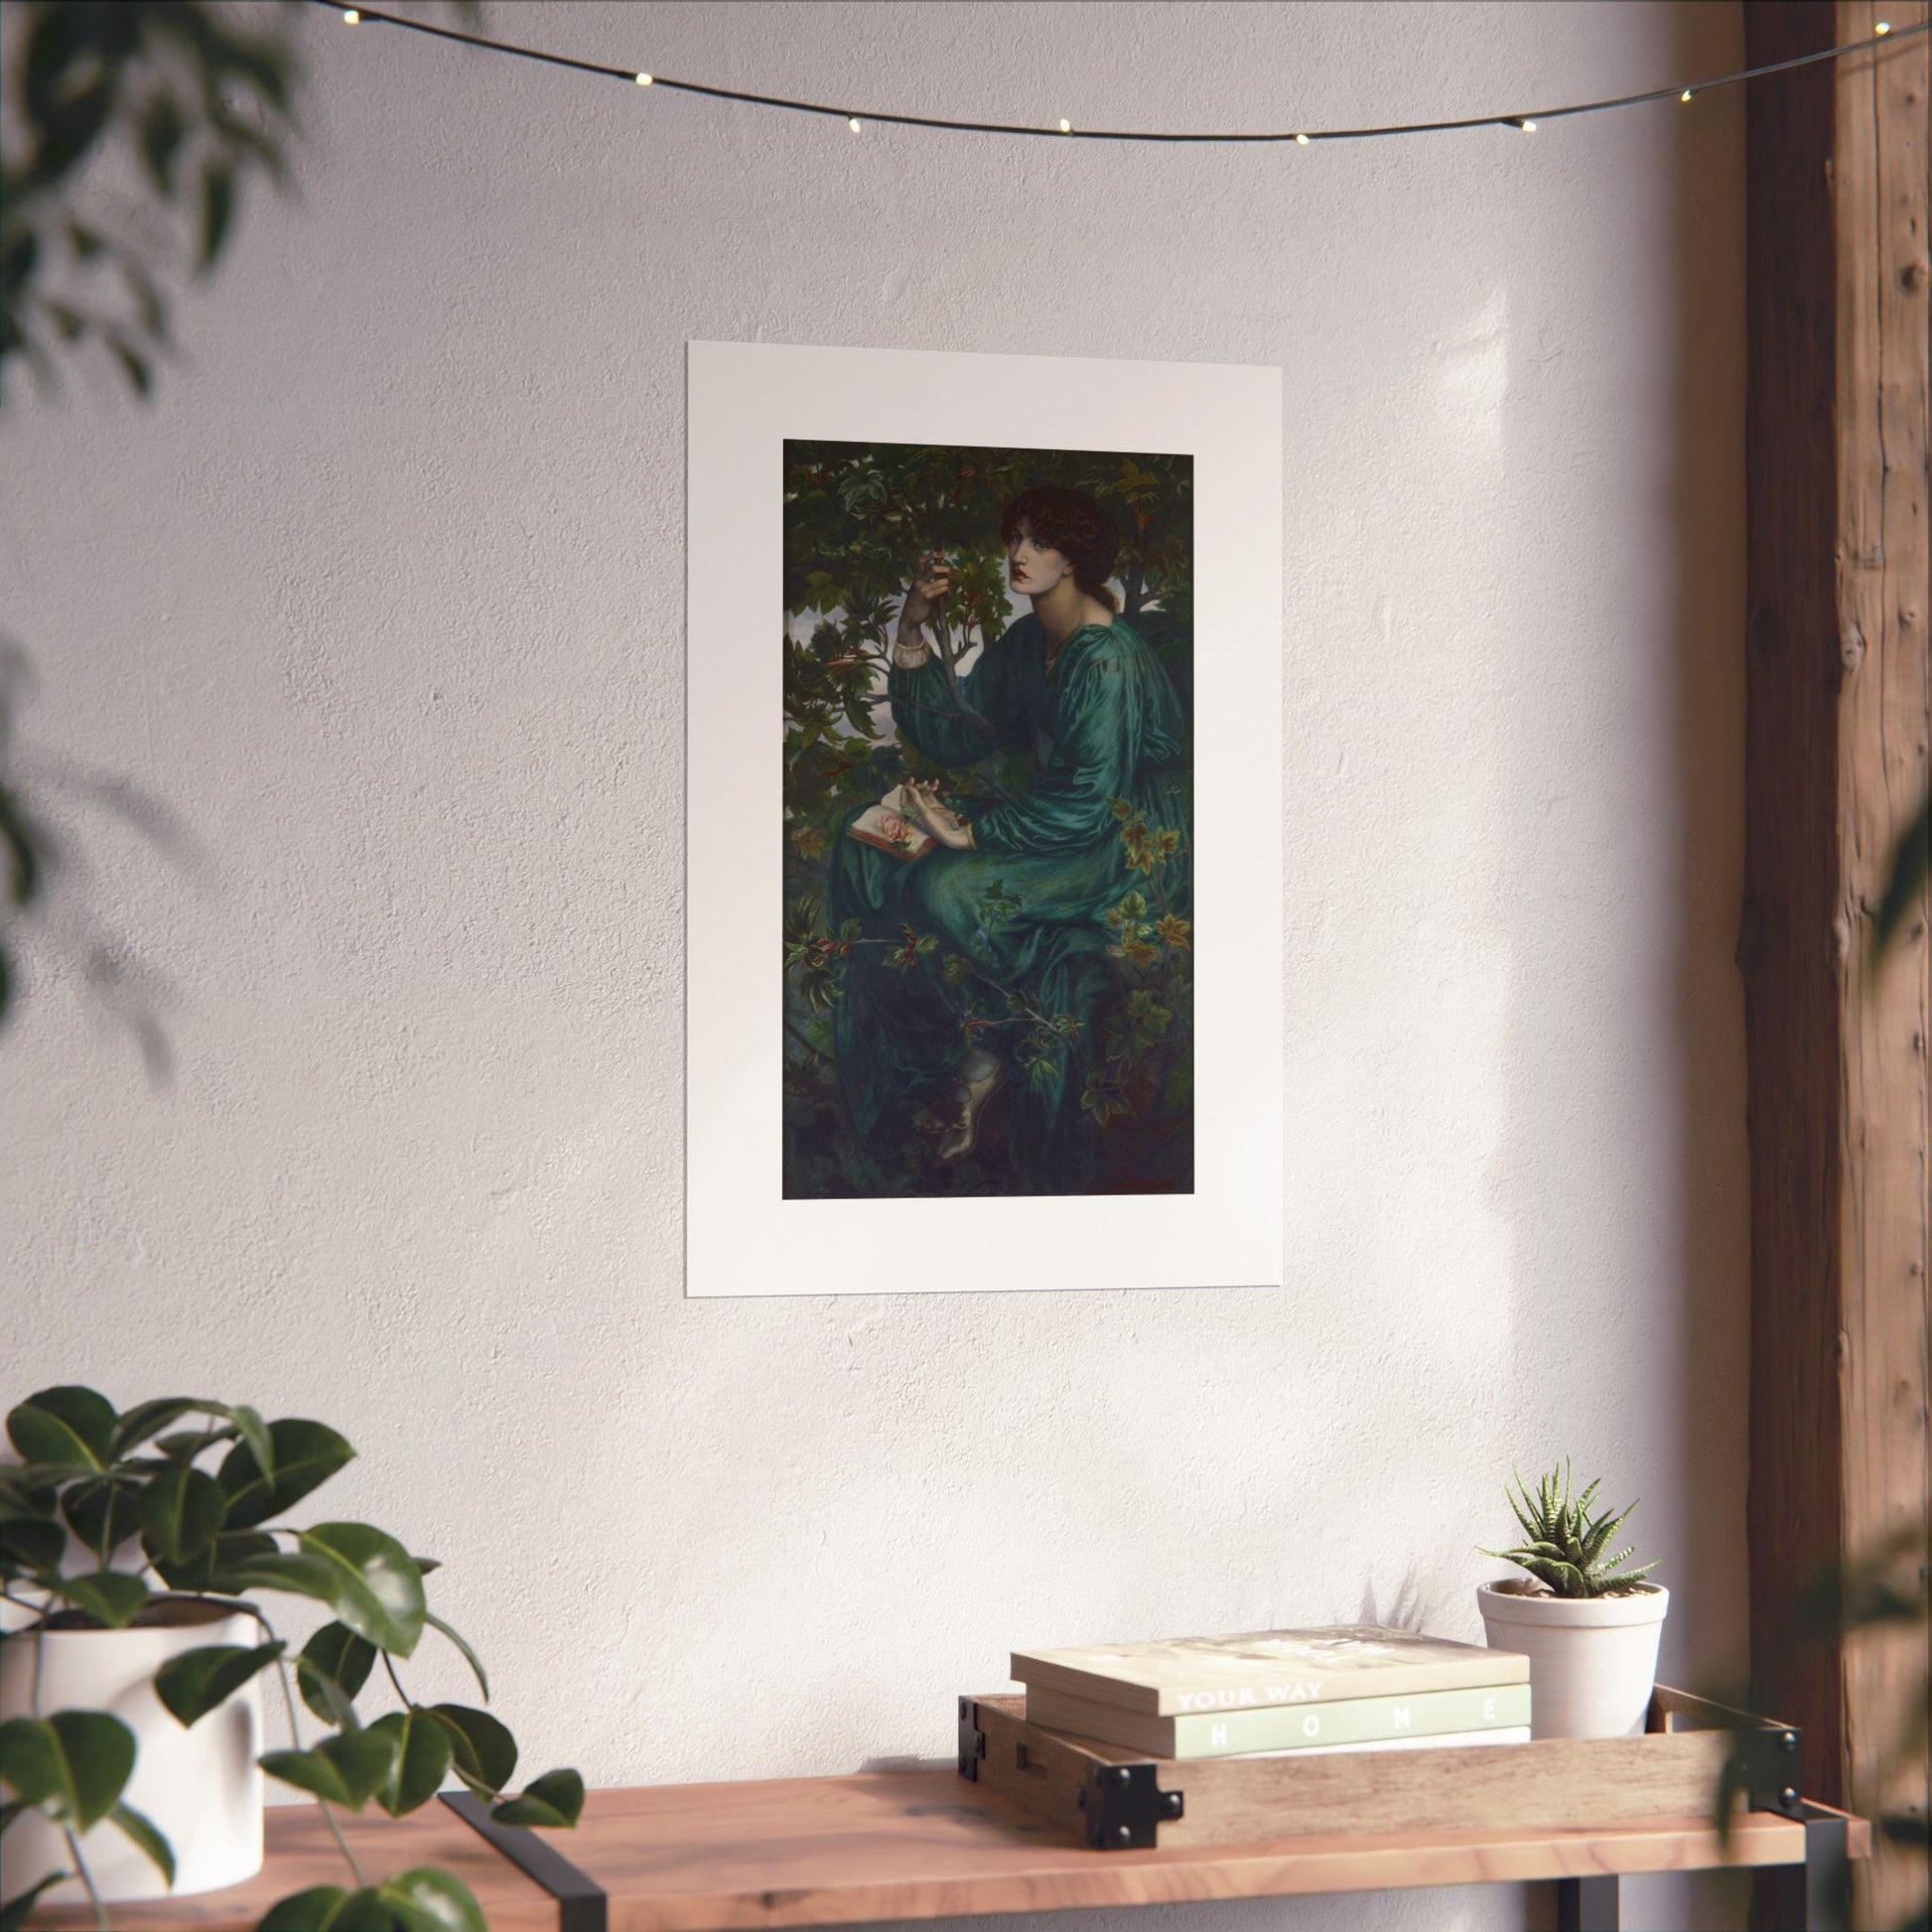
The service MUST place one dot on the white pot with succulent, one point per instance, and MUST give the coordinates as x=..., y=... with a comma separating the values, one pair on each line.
x=1589, y=1628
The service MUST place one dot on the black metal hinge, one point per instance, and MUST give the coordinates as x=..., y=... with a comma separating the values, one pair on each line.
x=1774, y=1775
x=972, y=1740
x=1124, y=1808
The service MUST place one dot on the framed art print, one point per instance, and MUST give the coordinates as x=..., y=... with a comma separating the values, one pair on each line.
x=984, y=823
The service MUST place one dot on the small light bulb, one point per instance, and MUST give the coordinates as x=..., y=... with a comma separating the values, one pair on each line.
x=1301, y=140
x=852, y=123
x=1883, y=27
x=643, y=81
x=351, y=16
x=1066, y=127
x=1528, y=127
x=1685, y=97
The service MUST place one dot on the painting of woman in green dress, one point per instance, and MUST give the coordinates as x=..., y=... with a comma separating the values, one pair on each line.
x=989, y=835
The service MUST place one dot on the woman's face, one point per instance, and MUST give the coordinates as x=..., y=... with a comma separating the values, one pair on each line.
x=1032, y=568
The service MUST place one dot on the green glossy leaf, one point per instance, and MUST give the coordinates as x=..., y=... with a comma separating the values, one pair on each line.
x=149, y=1419
x=112, y=1596
x=423, y=1752
x=184, y=1445
x=328, y=1908
x=470, y=1657
x=555, y=1799
x=347, y=1769
x=73, y=1766
x=142, y=1830
x=305, y=1456
x=299, y=1576
x=378, y=1589
x=15, y=1911
x=181, y=1513
x=102, y=1511
x=334, y=1661
x=428, y=1900
x=483, y=1751
x=68, y=1423
x=199, y=1681
x=28, y=1544
x=206, y=1569
x=259, y=1438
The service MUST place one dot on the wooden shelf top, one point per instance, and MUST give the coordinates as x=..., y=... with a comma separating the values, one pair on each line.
x=922, y=1844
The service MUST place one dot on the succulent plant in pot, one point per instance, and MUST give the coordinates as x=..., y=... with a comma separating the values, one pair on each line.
x=138, y=1552
x=1588, y=1622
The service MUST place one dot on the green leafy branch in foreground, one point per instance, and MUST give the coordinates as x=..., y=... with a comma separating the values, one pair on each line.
x=1565, y=1543
x=110, y=1520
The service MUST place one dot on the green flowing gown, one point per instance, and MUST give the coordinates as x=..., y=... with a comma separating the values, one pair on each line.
x=1026, y=904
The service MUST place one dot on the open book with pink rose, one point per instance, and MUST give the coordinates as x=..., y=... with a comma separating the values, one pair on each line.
x=891, y=826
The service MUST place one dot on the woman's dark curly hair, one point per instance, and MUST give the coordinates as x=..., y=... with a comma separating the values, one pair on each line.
x=1071, y=522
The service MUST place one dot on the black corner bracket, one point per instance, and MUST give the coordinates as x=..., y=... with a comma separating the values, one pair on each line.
x=972, y=1739
x=1125, y=1806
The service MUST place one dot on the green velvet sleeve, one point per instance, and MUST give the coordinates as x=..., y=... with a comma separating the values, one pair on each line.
x=1093, y=761
x=926, y=717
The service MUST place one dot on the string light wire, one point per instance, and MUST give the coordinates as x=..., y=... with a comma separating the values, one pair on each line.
x=1527, y=120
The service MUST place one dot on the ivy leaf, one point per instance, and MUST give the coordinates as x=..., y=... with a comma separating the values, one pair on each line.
x=423, y=1752
x=555, y=1799
x=334, y=1666
x=347, y=1769
x=379, y=1590
x=425, y=1899
x=182, y=1511
x=67, y=1424
x=302, y=1454
x=483, y=1750
x=144, y=1834
x=74, y=1765
x=199, y=1681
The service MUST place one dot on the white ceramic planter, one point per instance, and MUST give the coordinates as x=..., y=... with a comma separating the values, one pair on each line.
x=200, y=1786
x=1592, y=1659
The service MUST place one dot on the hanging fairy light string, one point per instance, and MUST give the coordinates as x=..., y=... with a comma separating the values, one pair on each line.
x=857, y=118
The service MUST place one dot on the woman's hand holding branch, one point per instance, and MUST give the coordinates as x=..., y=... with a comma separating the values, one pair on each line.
x=931, y=579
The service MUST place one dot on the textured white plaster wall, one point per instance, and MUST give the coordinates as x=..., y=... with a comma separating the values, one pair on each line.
x=382, y=597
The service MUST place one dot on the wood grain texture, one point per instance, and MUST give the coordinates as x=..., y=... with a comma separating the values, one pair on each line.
x=301, y=1854
x=930, y=1845
x=1885, y=723
x=1837, y=735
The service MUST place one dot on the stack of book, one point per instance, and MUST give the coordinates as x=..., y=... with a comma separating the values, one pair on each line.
x=1345, y=1688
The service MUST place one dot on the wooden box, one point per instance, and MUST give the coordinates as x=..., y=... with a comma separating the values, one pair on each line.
x=1119, y=1799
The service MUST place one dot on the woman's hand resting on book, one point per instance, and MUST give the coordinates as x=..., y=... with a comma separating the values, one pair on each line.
x=923, y=804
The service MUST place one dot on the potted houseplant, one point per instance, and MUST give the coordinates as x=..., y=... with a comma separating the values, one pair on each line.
x=138, y=1636
x=1589, y=1626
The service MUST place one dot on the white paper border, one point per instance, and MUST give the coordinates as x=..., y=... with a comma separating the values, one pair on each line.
x=742, y=1237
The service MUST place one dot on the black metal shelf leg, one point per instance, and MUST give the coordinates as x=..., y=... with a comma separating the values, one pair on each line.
x=1589, y=1904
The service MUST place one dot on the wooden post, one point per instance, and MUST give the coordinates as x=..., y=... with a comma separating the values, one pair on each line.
x=1839, y=717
